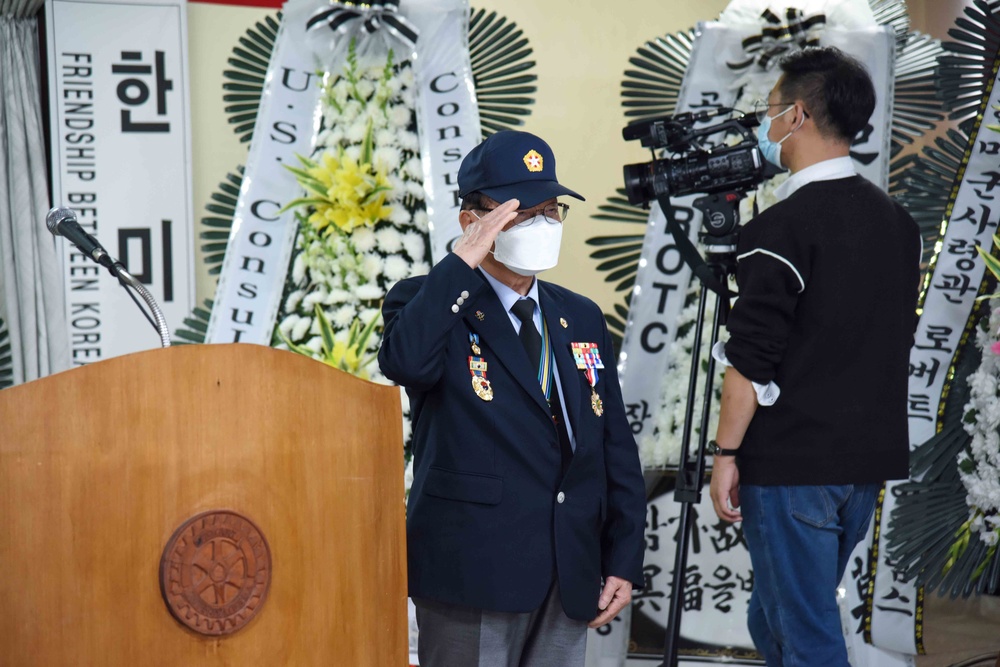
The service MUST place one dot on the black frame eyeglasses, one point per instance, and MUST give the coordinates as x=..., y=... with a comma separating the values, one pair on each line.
x=554, y=213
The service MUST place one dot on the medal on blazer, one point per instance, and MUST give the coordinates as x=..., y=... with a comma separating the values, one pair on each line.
x=477, y=368
x=588, y=360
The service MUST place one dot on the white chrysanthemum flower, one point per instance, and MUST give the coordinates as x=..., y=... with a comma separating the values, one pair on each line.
x=363, y=239
x=400, y=216
x=287, y=324
x=415, y=246
x=365, y=88
x=389, y=240
x=409, y=141
x=356, y=132
x=369, y=292
x=339, y=296
x=311, y=299
x=400, y=117
x=368, y=314
x=371, y=266
x=353, y=152
x=406, y=77
x=315, y=345
x=343, y=316
x=415, y=188
x=293, y=300
x=386, y=137
x=387, y=158
x=421, y=220
x=334, y=137
x=396, y=267
x=323, y=138
x=299, y=268
x=301, y=328
x=341, y=91
x=420, y=269
x=397, y=183
x=414, y=168
x=408, y=473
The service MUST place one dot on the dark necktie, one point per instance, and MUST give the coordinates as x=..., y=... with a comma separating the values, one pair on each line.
x=524, y=310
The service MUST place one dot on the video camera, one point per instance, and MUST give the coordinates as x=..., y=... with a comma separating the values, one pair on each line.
x=726, y=171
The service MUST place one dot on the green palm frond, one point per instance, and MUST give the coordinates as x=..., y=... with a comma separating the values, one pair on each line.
x=893, y=13
x=216, y=227
x=931, y=510
x=6, y=358
x=966, y=67
x=501, y=71
x=215, y=233
x=923, y=183
x=244, y=84
x=651, y=91
x=195, y=325
x=618, y=257
x=916, y=108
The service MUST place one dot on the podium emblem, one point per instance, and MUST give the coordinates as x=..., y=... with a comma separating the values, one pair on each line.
x=215, y=572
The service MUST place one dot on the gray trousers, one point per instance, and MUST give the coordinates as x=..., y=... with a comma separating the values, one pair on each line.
x=457, y=636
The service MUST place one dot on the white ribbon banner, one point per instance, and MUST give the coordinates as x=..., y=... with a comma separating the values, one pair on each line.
x=949, y=302
x=262, y=240
x=447, y=111
x=121, y=159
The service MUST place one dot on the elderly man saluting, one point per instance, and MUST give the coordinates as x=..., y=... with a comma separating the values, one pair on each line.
x=525, y=519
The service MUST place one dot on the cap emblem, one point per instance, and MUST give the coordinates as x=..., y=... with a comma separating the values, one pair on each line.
x=533, y=161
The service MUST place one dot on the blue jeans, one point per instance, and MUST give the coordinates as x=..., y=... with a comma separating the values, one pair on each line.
x=800, y=539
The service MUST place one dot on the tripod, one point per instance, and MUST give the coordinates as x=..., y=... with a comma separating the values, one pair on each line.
x=721, y=216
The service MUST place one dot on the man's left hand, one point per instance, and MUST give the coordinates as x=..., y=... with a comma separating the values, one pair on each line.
x=616, y=594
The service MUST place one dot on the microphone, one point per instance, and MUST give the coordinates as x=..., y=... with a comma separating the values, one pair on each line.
x=61, y=221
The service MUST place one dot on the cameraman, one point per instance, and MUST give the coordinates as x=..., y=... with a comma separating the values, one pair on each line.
x=819, y=339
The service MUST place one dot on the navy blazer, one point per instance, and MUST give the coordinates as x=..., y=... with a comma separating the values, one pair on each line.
x=489, y=521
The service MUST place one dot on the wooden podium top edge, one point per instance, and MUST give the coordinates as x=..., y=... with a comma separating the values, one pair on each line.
x=213, y=354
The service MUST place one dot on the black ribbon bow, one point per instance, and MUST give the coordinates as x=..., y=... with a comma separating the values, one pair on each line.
x=373, y=15
x=779, y=37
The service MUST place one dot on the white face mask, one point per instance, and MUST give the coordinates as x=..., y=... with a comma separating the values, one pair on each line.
x=531, y=247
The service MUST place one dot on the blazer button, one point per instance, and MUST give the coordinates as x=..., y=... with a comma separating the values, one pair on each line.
x=460, y=300
x=454, y=307
x=561, y=497
x=465, y=294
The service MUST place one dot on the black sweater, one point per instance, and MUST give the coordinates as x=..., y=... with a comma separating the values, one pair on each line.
x=828, y=283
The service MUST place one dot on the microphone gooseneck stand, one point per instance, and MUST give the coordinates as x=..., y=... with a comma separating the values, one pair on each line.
x=61, y=221
x=158, y=321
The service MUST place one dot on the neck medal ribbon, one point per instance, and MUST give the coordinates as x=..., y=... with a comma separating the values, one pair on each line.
x=588, y=360
x=477, y=368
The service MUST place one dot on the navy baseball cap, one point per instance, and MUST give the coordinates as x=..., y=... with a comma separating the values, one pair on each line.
x=512, y=165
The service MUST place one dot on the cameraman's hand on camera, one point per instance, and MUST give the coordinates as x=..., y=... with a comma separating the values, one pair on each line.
x=477, y=239
x=725, y=488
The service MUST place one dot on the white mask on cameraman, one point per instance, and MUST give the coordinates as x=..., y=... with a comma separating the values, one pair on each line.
x=530, y=247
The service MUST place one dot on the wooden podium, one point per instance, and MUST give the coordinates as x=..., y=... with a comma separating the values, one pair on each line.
x=276, y=481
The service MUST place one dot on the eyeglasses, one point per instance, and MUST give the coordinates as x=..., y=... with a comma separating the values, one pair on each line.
x=554, y=213
x=760, y=108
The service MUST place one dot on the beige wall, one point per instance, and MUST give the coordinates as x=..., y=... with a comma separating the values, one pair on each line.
x=581, y=49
